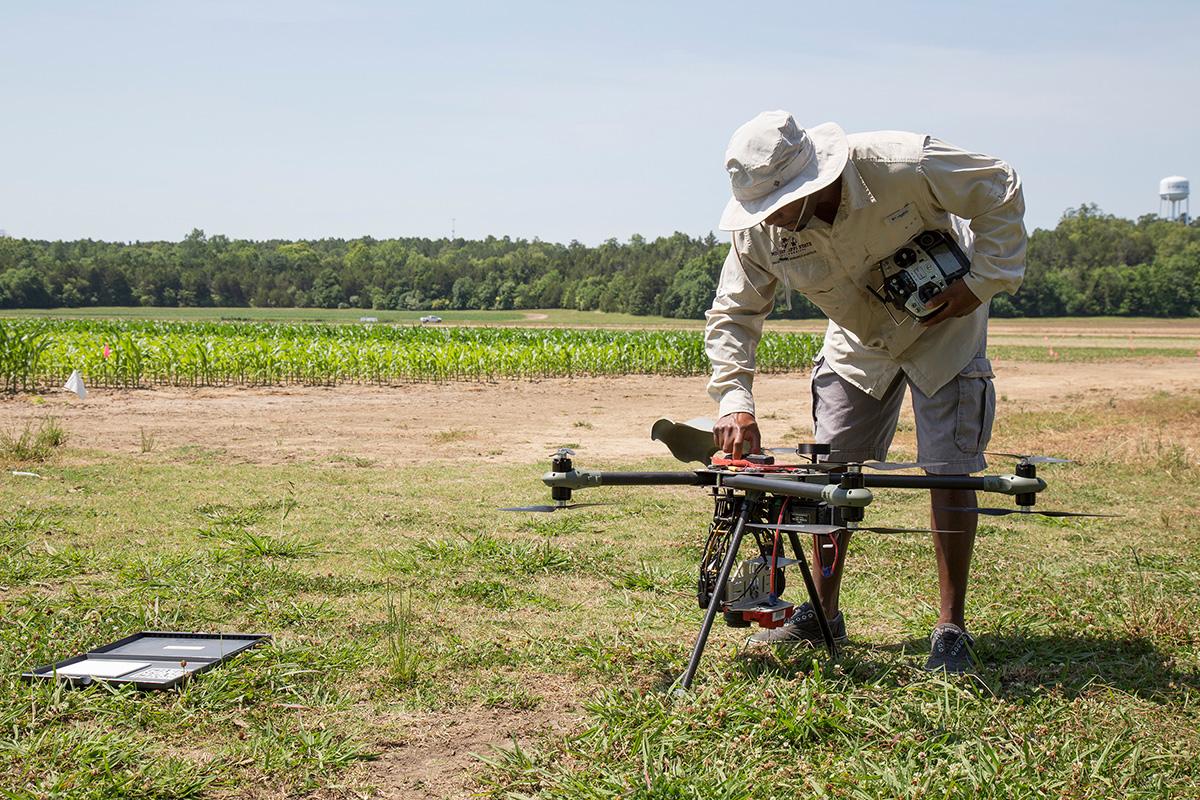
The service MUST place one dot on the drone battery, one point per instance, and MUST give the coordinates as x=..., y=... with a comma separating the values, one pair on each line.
x=769, y=616
x=765, y=612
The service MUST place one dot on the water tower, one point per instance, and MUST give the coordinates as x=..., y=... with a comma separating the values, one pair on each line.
x=1174, y=192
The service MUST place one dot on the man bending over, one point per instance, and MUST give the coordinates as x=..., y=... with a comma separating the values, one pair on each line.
x=815, y=211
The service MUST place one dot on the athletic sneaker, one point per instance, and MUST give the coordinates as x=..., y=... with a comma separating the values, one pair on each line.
x=950, y=649
x=802, y=627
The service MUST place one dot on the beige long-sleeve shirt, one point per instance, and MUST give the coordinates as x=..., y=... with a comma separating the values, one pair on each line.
x=895, y=185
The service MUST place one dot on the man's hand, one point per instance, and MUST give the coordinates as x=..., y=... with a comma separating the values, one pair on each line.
x=737, y=434
x=956, y=301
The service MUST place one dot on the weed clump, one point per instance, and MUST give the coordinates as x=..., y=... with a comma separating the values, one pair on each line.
x=404, y=661
x=33, y=445
x=234, y=527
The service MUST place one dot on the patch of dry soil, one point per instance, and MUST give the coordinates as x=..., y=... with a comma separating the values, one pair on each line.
x=435, y=755
x=603, y=418
x=439, y=758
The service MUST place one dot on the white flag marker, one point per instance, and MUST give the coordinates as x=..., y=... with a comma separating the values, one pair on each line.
x=75, y=384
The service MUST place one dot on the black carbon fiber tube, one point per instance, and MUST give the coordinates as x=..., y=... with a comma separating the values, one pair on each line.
x=923, y=482
x=652, y=479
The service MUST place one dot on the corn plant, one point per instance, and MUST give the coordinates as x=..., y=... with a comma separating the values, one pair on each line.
x=21, y=349
x=125, y=353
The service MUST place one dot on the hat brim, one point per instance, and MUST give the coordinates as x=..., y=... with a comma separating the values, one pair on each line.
x=832, y=149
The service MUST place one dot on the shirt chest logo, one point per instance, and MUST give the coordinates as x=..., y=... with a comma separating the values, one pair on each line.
x=899, y=215
x=791, y=249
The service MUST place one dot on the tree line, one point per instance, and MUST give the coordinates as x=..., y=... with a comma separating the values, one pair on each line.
x=1091, y=263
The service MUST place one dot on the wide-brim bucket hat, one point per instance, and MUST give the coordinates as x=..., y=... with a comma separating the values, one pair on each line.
x=772, y=161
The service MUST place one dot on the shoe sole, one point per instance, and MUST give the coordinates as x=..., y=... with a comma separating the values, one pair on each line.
x=942, y=668
x=837, y=640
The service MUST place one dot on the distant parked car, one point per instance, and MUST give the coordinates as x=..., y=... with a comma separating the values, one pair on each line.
x=431, y=318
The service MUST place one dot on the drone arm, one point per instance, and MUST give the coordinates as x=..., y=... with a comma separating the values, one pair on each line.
x=583, y=479
x=1001, y=484
x=650, y=479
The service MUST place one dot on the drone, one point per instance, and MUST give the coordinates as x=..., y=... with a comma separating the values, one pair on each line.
x=758, y=497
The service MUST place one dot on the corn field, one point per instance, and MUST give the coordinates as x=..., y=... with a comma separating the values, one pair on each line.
x=118, y=353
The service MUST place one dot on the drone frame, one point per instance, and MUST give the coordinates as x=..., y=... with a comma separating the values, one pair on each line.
x=841, y=493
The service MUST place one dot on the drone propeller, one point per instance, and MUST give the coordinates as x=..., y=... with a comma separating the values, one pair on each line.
x=891, y=465
x=1003, y=512
x=1028, y=459
x=548, y=509
x=784, y=451
x=902, y=530
x=562, y=451
x=826, y=530
x=887, y=465
x=802, y=528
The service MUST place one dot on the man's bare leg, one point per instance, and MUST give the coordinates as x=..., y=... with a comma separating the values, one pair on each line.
x=829, y=588
x=953, y=550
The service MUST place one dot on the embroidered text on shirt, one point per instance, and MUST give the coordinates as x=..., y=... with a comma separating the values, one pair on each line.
x=790, y=249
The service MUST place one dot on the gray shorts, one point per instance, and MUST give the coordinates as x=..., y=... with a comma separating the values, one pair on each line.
x=954, y=425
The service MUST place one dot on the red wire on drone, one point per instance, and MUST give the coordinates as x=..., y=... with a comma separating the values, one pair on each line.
x=775, y=543
x=834, y=539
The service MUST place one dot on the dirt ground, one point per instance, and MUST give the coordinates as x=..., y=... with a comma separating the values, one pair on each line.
x=602, y=418
x=436, y=753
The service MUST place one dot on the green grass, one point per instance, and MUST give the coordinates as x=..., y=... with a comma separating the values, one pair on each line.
x=404, y=659
x=1066, y=353
x=403, y=603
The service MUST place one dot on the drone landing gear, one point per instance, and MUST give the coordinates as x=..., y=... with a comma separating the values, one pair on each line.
x=718, y=591
x=813, y=597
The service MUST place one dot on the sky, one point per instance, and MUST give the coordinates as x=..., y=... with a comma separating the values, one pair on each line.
x=306, y=119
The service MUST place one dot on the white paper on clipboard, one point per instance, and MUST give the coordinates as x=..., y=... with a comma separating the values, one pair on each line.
x=99, y=668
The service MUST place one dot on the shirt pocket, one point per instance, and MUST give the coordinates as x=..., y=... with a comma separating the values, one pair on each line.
x=978, y=367
x=894, y=230
x=809, y=274
x=976, y=406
